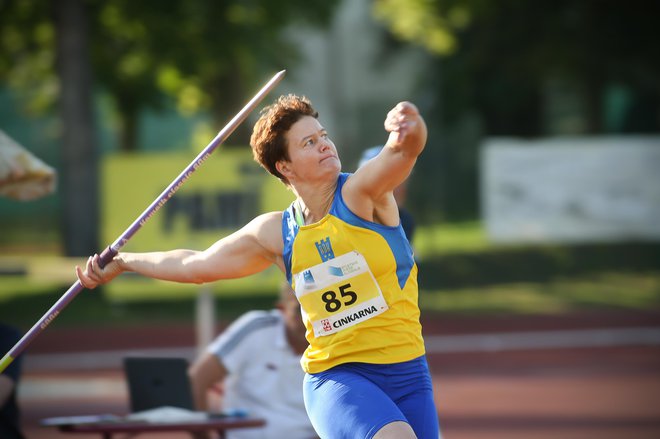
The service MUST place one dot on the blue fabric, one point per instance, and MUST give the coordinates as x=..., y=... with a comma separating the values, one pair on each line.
x=394, y=235
x=289, y=232
x=355, y=400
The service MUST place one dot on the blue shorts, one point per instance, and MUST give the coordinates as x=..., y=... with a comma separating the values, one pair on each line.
x=355, y=400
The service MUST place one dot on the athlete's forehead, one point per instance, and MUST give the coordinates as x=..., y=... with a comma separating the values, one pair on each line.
x=305, y=127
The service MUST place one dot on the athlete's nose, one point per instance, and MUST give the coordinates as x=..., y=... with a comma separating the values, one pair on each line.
x=325, y=144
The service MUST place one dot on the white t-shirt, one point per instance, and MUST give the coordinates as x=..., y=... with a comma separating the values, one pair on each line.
x=264, y=377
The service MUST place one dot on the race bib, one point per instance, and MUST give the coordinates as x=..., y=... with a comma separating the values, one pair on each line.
x=339, y=293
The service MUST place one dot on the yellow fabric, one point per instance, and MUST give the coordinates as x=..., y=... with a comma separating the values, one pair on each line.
x=390, y=337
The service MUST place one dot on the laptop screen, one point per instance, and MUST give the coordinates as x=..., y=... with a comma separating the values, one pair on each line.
x=156, y=382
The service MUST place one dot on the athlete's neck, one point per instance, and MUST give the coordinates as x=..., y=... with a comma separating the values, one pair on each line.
x=315, y=204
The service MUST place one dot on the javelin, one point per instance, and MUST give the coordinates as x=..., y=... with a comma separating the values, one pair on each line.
x=112, y=250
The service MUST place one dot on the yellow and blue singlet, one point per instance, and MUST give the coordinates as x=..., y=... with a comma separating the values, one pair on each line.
x=356, y=281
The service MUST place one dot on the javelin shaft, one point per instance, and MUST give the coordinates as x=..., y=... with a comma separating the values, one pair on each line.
x=110, y=252
x=112, y=249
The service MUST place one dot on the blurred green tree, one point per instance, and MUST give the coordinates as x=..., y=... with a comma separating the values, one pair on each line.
x=206, y=54
x=521, y=68
x=44, y=60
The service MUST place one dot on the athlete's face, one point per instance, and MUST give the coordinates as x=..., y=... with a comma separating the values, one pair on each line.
x=312, y=155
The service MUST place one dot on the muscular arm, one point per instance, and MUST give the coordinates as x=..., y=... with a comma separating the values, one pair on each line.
x=247, y=251
x=369, y=192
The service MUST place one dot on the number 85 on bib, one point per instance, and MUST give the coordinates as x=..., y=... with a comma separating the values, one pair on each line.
x=339, y=293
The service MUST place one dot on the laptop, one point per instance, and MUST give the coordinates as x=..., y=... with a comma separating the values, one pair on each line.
x=155, y=382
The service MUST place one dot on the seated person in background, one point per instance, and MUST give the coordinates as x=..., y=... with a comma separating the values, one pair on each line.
x=9, y=411
x=400, y=195
x=257, y=360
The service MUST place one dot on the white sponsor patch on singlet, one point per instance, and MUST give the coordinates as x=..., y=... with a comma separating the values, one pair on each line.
x=339, y=293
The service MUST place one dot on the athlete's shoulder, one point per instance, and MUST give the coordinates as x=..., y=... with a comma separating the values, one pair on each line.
x=268, y=218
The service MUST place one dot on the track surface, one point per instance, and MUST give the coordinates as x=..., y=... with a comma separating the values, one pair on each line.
x=578, y=376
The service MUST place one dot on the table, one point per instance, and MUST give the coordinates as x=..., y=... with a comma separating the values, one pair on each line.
x=108, y=428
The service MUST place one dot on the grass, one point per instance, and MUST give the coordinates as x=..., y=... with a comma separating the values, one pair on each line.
x=95, y=309
x=639, y=291
x=460, y=272
x=630, y=291
x=449, y=238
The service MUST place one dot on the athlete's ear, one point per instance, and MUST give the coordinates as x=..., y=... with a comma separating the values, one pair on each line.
x=284, y=168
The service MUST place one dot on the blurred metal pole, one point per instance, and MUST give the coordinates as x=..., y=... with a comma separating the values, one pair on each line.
x=204, y=318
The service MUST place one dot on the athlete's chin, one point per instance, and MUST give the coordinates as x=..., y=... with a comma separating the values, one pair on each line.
x=331, y=163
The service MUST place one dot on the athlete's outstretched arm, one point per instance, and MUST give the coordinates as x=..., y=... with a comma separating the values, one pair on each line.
x=247, y=251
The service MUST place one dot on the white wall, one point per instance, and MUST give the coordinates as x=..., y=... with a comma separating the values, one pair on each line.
x=571, y=189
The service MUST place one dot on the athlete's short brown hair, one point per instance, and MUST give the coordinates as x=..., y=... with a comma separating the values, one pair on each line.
x=267, y=141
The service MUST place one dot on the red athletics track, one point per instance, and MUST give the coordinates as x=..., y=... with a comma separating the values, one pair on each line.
x=578, y=376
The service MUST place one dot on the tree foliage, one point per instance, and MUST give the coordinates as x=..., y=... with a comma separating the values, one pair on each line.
x=508, y=66
x=27, y=53
x=204, y=54
x=501, y=54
